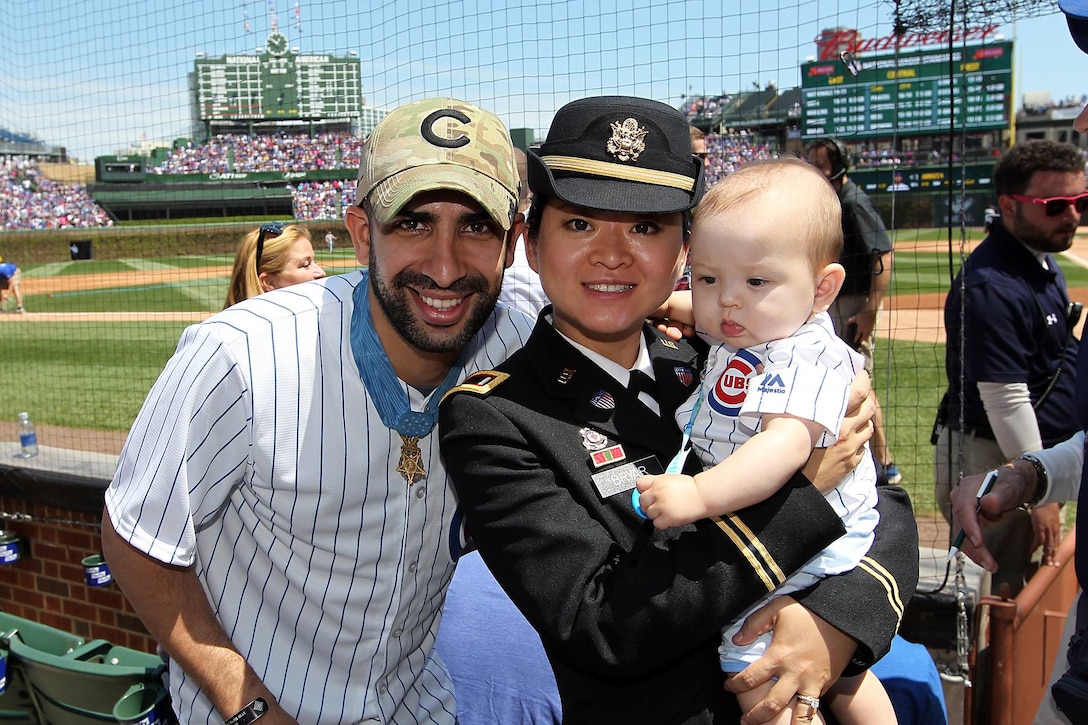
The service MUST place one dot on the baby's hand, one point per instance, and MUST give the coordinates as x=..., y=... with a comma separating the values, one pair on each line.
x=670, y=499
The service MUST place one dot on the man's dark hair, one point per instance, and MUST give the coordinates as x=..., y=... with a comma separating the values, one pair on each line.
x=1013, y=172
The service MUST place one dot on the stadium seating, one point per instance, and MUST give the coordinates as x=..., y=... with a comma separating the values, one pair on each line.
x=31, y=200
x=58, y=678
x=83, y=686
x=16, y=705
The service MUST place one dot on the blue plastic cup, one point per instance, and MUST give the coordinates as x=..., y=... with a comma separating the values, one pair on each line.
x=10, y=549
x=96, y=572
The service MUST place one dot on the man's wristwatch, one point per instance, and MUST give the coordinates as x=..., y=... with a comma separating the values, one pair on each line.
x=1040, y=479
x=250, y=713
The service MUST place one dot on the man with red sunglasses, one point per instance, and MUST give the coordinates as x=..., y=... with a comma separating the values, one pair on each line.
x=1010, y=354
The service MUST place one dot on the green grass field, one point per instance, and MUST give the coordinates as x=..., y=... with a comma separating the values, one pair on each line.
x=83, y=374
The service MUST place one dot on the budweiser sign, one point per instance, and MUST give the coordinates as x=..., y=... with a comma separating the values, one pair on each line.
x=831, y=43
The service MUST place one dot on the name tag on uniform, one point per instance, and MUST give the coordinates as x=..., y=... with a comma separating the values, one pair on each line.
x=622, y=478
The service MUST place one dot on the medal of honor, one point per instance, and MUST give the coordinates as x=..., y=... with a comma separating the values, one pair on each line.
x=411, y=459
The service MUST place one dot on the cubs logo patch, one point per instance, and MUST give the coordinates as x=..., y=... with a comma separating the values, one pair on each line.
x=727, y=395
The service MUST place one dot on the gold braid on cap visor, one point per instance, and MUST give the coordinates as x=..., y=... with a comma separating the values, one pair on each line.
x=619, y=171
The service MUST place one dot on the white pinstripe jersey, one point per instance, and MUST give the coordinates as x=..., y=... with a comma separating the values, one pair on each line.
x=259, y=458
x=808, y=376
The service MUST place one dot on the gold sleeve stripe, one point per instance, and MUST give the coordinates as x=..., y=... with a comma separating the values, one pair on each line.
x=619, y=171
x=749, y=546
x=480, y=383
x=891, y=586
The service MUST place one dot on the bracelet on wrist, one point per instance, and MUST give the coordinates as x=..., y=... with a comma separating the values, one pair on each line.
x=1040, y=480
x=250, y=713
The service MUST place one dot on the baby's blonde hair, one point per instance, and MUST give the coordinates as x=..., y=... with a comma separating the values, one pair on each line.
x=817, y=202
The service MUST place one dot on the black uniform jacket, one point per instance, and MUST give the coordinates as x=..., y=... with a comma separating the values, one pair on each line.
x=629, y=615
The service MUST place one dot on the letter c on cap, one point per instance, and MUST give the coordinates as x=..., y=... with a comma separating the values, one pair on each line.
x=433, y=138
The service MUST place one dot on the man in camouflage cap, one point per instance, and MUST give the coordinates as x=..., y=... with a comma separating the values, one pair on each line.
x=439, y=144
x=289, y=540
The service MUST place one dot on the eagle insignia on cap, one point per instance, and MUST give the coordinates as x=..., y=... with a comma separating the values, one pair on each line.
x=628, y=140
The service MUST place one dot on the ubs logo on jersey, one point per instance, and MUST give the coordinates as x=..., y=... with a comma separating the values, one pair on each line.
x=729, y=390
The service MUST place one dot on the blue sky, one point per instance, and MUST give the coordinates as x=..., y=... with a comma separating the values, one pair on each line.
x=99, y=76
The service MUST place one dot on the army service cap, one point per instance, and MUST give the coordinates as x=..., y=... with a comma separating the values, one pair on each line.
x=619, y=153
x=439, y=144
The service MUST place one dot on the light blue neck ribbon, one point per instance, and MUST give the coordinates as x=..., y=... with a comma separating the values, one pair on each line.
x=385, y=389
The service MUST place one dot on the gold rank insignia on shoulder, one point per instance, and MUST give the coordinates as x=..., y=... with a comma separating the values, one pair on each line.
x=669, y=343
x=628, y=140
x=480, y=383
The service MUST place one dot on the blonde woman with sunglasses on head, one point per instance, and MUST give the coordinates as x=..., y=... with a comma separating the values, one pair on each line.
x=272, y=256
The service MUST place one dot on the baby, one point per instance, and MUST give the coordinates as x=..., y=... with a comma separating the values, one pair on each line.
x=765, y=246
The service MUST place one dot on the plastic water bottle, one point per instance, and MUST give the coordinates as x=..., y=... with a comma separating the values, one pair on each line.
x=28, y=437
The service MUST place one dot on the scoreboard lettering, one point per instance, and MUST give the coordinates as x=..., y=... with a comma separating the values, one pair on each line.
x=278, y=85
x=920, y=92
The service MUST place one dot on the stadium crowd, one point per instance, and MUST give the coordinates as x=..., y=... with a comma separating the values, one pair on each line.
x=31, y=200
x=264, y=152
x=699, y=106
x=1067, y=102
x=728, y=151
x=322, y=199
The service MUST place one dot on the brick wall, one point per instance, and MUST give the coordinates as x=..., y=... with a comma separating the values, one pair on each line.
x=47, y=585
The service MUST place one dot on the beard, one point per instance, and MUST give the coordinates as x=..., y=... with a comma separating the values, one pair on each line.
x=393, y=297
x=1042, y=240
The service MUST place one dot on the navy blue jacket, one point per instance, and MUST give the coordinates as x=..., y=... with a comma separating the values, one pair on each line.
x=1015, y=331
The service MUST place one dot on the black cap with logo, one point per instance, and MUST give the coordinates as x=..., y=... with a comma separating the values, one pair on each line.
x=618, y=153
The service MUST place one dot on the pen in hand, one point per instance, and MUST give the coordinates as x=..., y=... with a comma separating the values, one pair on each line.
x=987, y=484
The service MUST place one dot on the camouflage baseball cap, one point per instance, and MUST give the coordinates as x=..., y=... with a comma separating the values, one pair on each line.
x=438, y=144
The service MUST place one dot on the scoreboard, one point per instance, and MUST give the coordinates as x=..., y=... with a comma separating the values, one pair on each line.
x=277, y=85
x=916, y=93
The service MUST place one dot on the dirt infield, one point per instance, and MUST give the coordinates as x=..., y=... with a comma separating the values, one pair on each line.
x=133, y=278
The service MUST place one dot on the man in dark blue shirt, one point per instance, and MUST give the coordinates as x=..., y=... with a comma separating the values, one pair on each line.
x=1010, y=354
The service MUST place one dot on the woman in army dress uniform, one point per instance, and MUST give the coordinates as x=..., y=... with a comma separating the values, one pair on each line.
x=545, y=450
